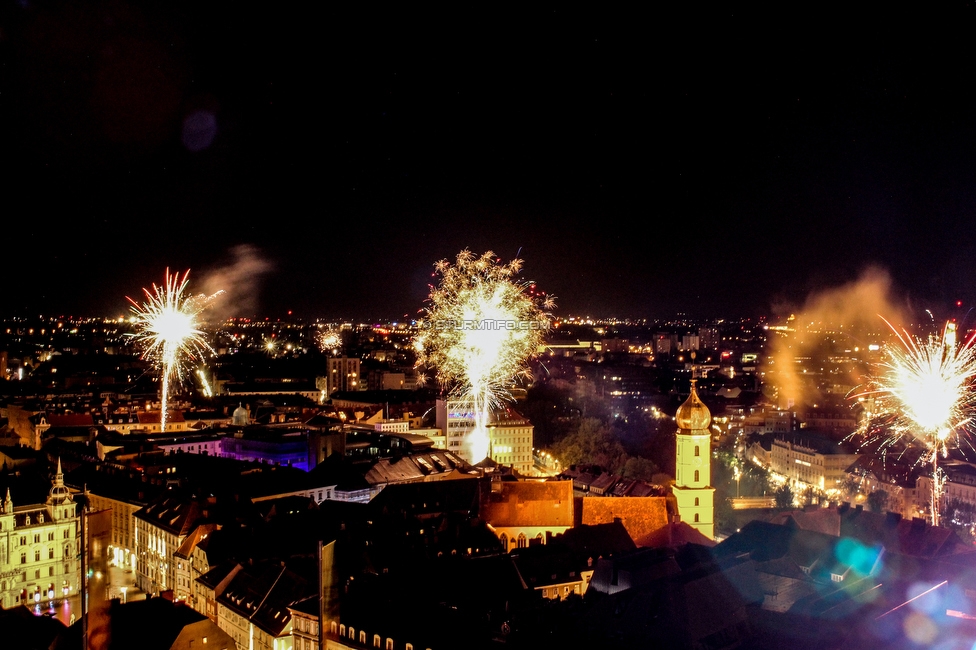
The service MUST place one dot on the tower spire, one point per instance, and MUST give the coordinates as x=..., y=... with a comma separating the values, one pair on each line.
x=693, y=469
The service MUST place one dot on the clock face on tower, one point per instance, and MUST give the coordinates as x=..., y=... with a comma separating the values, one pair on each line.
x=698, y=461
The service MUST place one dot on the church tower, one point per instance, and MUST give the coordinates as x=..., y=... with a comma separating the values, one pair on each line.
x=693, y=467
x=60, y=503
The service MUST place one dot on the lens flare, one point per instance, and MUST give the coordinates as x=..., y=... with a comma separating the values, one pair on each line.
x=168, y=331
x=481, y=327
x=923, y=395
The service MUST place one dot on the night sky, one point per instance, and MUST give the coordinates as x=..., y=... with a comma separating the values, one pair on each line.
x=718, y=162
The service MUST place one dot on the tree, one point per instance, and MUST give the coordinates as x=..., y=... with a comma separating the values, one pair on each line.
x=878, y=501
x=784, y=496
x=850, y=486
x=639, y=468
x=592, y=443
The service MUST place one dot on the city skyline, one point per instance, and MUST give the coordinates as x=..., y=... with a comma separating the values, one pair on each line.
x=641, y=164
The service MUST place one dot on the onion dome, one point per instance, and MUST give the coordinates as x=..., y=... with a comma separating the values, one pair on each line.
x=693, y=414
x=240, y=417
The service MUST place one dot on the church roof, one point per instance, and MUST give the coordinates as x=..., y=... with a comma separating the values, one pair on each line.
x=645, y=518
x=529, y=503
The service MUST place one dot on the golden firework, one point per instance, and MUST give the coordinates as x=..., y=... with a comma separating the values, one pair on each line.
x=168, y=330
x=923, y=394
x=481, y=327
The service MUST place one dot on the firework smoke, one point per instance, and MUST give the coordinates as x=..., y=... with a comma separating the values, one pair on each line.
x=481, y=327
x=846, y=313
x=167, y=329
x=238, y=282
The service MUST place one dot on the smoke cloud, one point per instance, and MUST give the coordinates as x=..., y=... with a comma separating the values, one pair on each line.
x=239, y=281
x=808, y=358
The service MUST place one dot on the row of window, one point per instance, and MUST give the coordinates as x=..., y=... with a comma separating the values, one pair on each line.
x=22, y=541
x=341, y=631
x=50, y=554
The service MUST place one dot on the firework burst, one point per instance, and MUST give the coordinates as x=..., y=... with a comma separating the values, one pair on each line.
x=167, y=330
x=329, y=341
x=923, y=397
x=481, y=327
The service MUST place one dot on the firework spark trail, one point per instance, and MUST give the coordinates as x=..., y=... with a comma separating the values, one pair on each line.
x=481, y=327
x=924, y=394
x=167, y=329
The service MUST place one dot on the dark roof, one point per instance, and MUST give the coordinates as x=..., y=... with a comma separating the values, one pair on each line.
x=173, y=512
x=131, y=620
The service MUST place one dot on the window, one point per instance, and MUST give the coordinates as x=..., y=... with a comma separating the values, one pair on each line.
x=696, y=450
x=376, y=640
x=50, y=536
x=696, y=501
x=50, y=553
x=23, y=558
x=67, y=533
x=696, y=476
x=362, y=637
x=352, y=633
x=389, y=644
x=696, y=517
x=504, y=541
x=37, y=556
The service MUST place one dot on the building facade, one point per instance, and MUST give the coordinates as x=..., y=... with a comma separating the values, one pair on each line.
x=343, y=375
x=807, y=458
x=40, y=553
x=456, y=419
x=510, y=440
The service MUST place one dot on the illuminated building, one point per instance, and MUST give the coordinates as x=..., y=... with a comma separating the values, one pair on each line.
x=693, y=465
x=192, y=561
x=121, y=550
x=161, y=527
x=811, y=458
x=456, y=419
x=343, y=375
x=510, y=434
x=254, y=606
x=305, y=624
x=271, y=445
x=39, y=546
x=511, y=439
